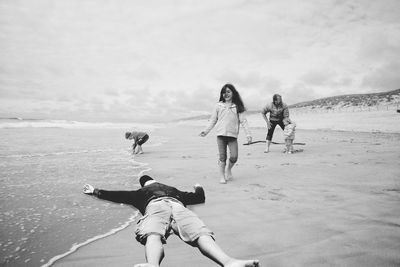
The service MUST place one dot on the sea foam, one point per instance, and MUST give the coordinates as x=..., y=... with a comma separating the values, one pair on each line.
x=6, y=123
x=136, y=165
x=75, y=247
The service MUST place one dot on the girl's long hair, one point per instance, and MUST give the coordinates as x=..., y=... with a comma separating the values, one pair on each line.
x=236, y=99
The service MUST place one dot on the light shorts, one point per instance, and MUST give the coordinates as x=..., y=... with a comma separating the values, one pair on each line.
x=166, y=215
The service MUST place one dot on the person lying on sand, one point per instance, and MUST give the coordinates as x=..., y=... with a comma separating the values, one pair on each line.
x=164, y=212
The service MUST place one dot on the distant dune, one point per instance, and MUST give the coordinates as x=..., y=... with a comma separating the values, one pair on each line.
x=340, y=102
x=354, y=100
x=359, y=112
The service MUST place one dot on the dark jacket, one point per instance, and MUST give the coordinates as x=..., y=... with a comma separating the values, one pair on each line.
x=140, y=198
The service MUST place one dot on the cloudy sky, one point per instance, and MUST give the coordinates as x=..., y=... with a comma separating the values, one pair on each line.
x=154, y=60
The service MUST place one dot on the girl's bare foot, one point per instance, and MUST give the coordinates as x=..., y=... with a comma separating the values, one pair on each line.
x=222, y=181
x=144, y=265
x=242, y=263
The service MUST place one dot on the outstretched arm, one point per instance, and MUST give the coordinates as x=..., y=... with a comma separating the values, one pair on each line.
x=243, y=121
x=196, y=197
x=134, y=144
x=264, y=115
x=126, y=197
x=213, y=121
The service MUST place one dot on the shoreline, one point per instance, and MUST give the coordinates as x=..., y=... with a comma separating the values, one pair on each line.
x=75, y=247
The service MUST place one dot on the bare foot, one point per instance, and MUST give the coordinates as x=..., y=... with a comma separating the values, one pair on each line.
x=266, y=151
x=144, y=265
x=229, y=176
x=140, y=152
x=242, y=263
x=222, y=181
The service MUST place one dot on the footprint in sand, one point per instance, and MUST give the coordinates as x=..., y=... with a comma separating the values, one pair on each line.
x=275, y=195
x=328, y=164
x=258, y=185
x=392, y=190
x=288, y=163
x=261, y=193
x=354, y=163
x=332, y=197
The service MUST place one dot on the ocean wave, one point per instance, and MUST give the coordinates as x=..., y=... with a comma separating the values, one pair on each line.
x=60, y=153
x=6, y=123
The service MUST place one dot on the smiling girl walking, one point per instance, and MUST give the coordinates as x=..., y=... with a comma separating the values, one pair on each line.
x=227, y=115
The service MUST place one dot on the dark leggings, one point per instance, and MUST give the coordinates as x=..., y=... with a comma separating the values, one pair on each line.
x=272, y=129
x=143, y=140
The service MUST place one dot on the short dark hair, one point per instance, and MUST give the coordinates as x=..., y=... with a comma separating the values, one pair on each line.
x=275, y=97
x=143, y=179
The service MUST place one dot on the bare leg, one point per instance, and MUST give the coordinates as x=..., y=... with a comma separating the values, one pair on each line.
x=221, y=166
x=133, y=149
x=139, y=150
x=154, y=250
x=291, y=145
x=229, y=175
x=267, y=146
x=287, y=146
x=211, y=250
x=234, y=151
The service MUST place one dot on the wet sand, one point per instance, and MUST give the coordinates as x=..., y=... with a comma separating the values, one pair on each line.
x=334, y=204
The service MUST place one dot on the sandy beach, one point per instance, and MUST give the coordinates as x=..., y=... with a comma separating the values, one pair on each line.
x=334, y=204
x=77, y=76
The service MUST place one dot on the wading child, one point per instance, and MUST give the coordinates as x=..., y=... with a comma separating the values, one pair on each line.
x=227, y=115
x=289, y=134
x=139, y=138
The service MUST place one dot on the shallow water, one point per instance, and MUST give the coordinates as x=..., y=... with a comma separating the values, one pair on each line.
x=43, y=211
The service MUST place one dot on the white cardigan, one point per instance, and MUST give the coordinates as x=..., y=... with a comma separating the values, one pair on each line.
x=226, y=121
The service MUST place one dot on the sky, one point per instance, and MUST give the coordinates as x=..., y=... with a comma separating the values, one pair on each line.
x=155, y=60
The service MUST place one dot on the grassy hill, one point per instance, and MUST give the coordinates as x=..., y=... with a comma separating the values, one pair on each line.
x=337, y=102
x=354, y=100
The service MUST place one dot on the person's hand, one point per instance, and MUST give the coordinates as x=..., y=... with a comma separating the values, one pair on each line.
x=88, y=189
x=197, y=185
x=268, y=125
x=202, y=134
x=249, y=139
